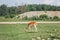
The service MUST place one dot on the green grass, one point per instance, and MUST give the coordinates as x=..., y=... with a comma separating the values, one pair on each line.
x=2, y=19
x=12, y=20
x=16, y=31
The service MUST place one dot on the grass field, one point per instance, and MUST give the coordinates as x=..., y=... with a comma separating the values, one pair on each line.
x=2, y=19
x=16, y=31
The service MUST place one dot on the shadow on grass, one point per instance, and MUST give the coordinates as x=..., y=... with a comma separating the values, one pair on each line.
x=31, y=32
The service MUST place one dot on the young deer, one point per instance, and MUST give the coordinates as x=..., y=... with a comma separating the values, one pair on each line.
x=31, y=24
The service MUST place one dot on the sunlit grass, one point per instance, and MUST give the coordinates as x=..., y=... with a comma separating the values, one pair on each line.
x=17, y=32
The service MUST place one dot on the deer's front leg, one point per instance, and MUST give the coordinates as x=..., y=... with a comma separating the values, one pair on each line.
x=27, y=28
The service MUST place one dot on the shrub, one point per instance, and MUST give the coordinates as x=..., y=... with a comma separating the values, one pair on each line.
x=34, y=18
x=50, y=18
x=10, y=16
x=7, y=16
x=43, y=17
x=25, y=18
x=56, y=18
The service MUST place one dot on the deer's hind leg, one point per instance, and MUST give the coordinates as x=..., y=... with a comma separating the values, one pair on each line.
x=35, y=28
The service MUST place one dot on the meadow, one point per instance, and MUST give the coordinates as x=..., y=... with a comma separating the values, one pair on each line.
x=2, y=19
x=17, y=32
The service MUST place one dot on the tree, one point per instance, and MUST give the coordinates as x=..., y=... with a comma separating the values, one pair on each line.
x=38, y=7
x=3, y=10
x=13, y=10
x=22, y=9
x=58, y=8
x=32, y=7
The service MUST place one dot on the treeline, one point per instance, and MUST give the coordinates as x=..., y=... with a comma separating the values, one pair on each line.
x=15, y=10
x=43, y=17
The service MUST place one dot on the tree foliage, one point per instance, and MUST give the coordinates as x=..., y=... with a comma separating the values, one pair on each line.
x=15, y=10
x=3, y=10
x=56, y=18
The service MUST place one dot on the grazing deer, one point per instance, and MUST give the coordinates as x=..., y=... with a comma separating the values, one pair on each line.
x=31, y=24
